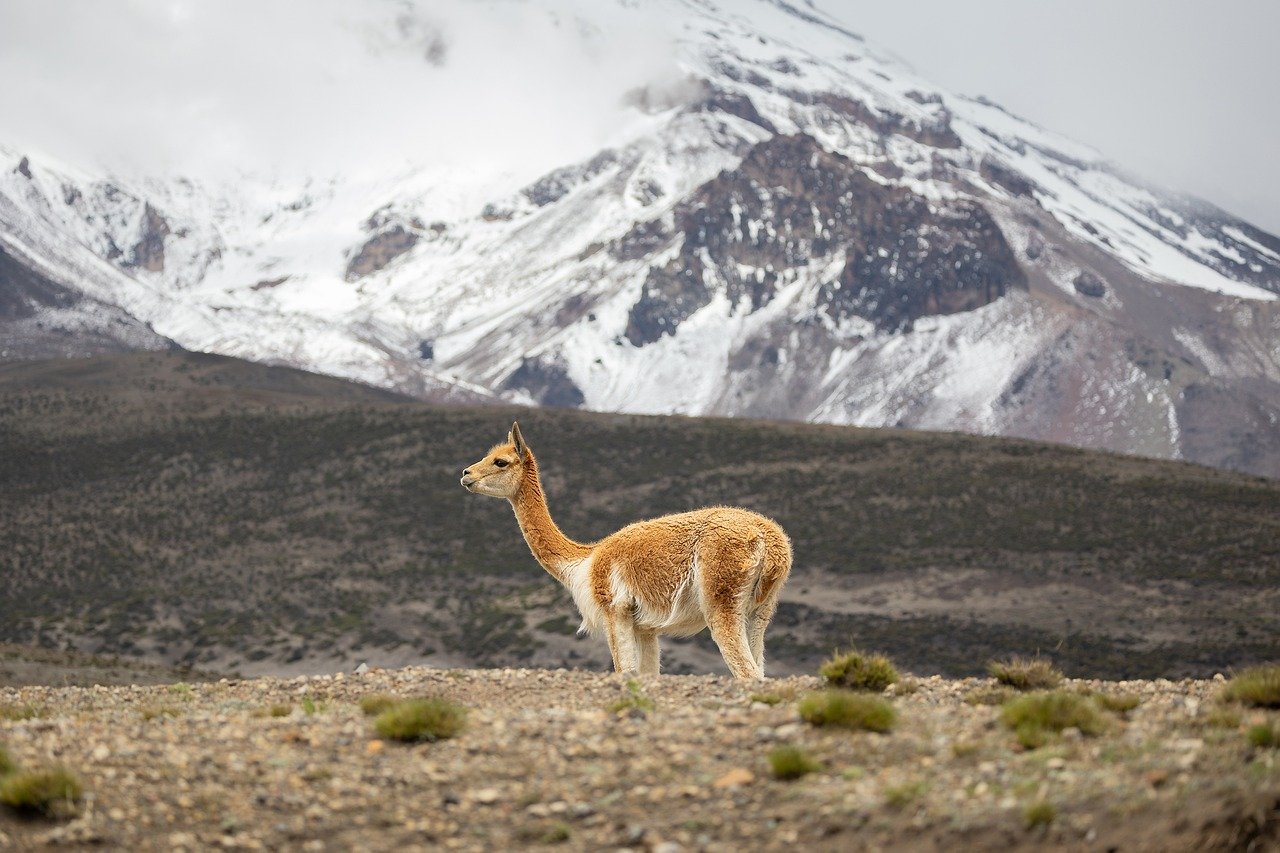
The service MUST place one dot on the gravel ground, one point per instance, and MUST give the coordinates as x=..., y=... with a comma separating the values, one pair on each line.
x=542, y=762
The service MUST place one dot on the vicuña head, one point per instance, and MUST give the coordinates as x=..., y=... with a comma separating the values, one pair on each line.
x=720, y=567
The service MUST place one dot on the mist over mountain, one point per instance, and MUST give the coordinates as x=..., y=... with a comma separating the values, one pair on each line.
x=736, y=208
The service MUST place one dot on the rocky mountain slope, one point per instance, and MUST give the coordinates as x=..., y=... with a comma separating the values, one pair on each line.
x=788, y=224
x=293, y=763
x=195, y=509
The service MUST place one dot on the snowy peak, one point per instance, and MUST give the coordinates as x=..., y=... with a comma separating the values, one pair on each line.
x=776, y=221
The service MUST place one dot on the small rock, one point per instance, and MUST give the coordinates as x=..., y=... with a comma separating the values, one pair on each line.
x=361, y=669
x=734, y=778
x=487, y=796
x=1156, y=778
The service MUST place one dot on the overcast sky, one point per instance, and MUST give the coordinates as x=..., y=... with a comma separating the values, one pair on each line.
x=1182, y=92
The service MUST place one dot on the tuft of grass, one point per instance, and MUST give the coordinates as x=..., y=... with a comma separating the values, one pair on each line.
x=182, y=690
x=20, y=711
x=1039, y=813
x=279, y=711
x=428, y=719
x=846, y=709
x=965, y=748
x=1025, y=673
x=1119, y=703
x=1037, y=716
x=633, y=699
x=310, y=706
x=854, y=670
x=1258, y=686
x=46, y=792
x=375, y=703
x=767, y=698
x=1223, y=718
x=7, y=764
x=150, y=712
x=1263, y=736
x=900, y=796
x=546, y=832
x=792, y=762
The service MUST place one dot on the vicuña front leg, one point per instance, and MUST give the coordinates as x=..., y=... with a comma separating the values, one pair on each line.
x=729, y=631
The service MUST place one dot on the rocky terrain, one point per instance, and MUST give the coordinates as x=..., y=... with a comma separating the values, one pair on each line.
x=293, y=763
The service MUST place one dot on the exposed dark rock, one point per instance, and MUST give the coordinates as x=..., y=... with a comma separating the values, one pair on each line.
x=734, y=104
x=1035, y=247
x=426, y=350
x=70, y=194
x=1087, y=283
x=555, y=185
x=380, y=250
x=268, y=283
x=922, y=98
x=24, y=168
x=784, y=66
x=1001, y=175
x=935, y=131
x=148, y=252
x=23, y=291
x=548, y=383
x=791, y=203
x=641, y=241
x=494, y=213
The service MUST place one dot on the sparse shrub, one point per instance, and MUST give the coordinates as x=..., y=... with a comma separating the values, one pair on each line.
x=899, y=796
x=183, y=690
x=20, y=711
x=1119, y=703
x=792, y=762
x=279, y=711
x=428, y=719
x=847, y=709
x=1039, y=813
x=767, y=698
x=854, y=670
x=1258, y=686
x=632, y=700
x=1037, y=716
x=150, y=712
x=375, y=703
x=1223, y=718
x=964, y=748
x=1263, y=736
x=45, y=792
x=7, y=764
x=1025, y=673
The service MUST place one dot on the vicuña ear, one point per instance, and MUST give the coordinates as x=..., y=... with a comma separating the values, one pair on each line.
x=518, y=440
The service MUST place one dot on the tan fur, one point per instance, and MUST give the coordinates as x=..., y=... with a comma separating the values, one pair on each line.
x=721, y=568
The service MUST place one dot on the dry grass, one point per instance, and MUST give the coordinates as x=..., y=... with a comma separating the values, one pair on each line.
x=849, y=710
x=792, y=762
x=1263, y=736
x=854, y=670
x=48, y=792
x=1036, y=717
x=1025, y=673
x=20, y=711
x=1039, y=813
x=375, y=703
x=1258, y=686
x=426, y=719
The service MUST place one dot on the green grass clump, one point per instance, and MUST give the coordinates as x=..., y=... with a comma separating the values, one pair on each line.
x=792, y=762
x=767, y=698
x=428, y=719
x=1037, y=716
x=854, y=670
x=546, y=832
x=1222, y=718
x=1258, y=686
x=1025, y=673
x=1119, y=703
x=43, y=792
x=632, y=700
x=151, y=712
x=20, y=711
x=846, y=709
x=1039, y=813
x=1263, y=736
x=899, y=796
x=375, y=703
x=183, y=690
x=988, y=696
x=7, y=764
x=279, y=711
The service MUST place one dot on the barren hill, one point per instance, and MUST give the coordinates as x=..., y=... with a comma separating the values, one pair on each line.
x=199, y=510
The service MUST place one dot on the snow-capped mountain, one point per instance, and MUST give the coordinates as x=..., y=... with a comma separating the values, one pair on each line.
x=786, y=223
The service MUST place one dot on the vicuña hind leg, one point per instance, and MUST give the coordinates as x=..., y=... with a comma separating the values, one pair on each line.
x=757, y=622
x=648, y=641
x=729, y=632
x=624, y=643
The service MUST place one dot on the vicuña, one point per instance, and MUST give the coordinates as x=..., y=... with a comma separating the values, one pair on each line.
x=720, y=568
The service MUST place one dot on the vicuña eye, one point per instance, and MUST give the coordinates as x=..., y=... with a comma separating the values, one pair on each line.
x=501, y=463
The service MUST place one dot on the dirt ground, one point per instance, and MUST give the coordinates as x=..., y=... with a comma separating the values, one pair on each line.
x=541, y=762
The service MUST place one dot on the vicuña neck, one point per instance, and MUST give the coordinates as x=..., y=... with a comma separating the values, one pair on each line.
x=549, y=545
